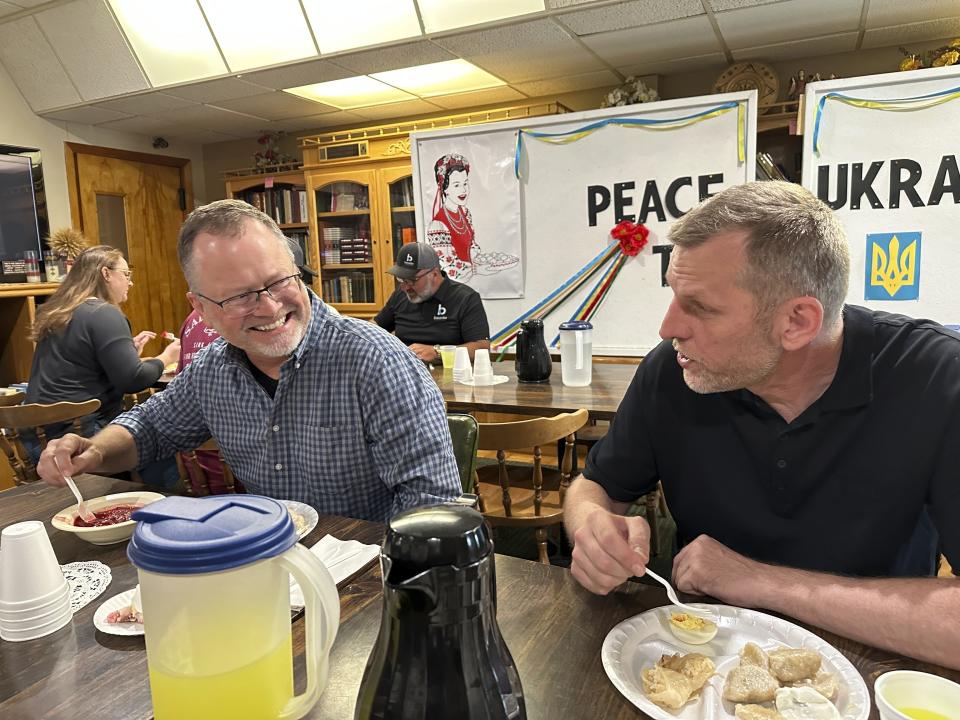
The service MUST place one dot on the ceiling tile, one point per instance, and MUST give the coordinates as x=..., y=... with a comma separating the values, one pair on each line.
x=787, y=21
x=317, y=123
x=721, y=5
x=142, y=125
x=477, y=98
x=654, y=43
x=553, y=4
x=215, y=90
x=207, y=117
x=883, y=13
x=568, y=83
x=145, y=103
x=92, y=49
x=680, y=65
x=396, y=110
x=86, y=115
x=27, y=4
x=814, y=47
x=629, y=14
x=516, y=53
x=308, y=73
x=34, y=66
x=204, y=137
x=275, y=105
x=913, y=33
x=8, y=9
x=391, y=58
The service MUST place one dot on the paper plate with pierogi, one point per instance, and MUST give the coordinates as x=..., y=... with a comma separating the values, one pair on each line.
x=756, y=667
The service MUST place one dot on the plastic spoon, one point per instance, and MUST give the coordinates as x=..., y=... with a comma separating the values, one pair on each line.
x=81, y=504
x=697, y=635
x=672, y=596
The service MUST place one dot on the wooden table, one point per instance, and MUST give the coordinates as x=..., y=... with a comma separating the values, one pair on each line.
x=601, y=398
x=553, y=627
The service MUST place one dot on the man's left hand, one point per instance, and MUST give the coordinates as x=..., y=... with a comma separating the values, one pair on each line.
x=425, y=352
x=707, y=567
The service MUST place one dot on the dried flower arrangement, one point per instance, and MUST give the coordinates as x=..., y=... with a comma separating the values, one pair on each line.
x=67, y=242
x=938, y=57
x=631, y=92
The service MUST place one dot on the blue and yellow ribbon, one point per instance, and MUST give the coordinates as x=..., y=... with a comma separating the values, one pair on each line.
x=909, y=104
x=570, y=136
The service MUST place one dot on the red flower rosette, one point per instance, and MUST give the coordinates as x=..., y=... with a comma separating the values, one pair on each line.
x=631, y=236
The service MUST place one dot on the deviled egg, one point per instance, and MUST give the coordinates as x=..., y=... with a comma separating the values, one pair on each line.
x=692, y=629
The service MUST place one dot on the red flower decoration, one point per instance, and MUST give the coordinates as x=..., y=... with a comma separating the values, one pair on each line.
x=631, y=236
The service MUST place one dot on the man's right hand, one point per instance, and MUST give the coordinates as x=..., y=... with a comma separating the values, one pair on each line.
x=68, y=455
x=608, y=549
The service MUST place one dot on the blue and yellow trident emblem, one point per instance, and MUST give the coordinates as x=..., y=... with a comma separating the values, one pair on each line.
x=893, y=266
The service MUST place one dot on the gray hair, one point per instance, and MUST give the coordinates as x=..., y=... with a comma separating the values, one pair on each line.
x=224, y=218
x=795, y=245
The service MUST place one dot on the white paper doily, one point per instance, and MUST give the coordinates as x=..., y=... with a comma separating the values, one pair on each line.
x=87, y=581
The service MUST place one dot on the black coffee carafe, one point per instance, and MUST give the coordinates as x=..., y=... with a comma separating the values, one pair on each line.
x=533, y=364
x=439, y=653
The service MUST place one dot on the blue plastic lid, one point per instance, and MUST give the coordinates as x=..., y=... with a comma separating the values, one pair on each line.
x=576, y=325
x=186, y=536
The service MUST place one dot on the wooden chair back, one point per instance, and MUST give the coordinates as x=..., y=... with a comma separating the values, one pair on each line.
x=14, y=418
x=193, y=475
x=14, y=398
x=137, y=398
x=518, y=501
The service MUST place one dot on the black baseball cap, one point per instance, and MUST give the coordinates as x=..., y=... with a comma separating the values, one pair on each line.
x=412, y=258
x=307, y=272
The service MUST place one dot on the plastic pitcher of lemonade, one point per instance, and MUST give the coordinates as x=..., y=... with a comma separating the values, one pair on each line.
x=214, y=583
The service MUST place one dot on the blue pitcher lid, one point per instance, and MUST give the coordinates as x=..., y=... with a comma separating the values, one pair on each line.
x=186, y=536
x=576, y=325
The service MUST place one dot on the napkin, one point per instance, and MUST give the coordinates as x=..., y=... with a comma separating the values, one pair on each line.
x=497, y=379
x=341, y=557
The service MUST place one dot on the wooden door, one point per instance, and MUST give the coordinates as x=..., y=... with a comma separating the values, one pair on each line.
x=132, y=201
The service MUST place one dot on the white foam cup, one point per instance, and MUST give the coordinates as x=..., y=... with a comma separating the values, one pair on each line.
x=37, y=631
x=898, y=691
x=481, y=362
x=29, y=570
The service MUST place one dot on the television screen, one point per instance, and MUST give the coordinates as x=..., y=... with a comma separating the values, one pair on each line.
x=19, y=230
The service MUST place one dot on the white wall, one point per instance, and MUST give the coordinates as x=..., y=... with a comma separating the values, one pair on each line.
x=20, y=126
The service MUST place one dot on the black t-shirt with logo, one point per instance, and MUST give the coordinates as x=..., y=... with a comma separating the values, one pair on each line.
x=453, y=316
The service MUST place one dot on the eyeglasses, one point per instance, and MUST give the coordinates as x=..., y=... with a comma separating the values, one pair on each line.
x=415, y=278
x=245, y=303
x=126, y=273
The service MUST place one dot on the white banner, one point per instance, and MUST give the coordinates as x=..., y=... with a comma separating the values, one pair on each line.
x=471, y=207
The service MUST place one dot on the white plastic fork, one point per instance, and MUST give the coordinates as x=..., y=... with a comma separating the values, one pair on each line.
x=82, y=509
x=672, y=596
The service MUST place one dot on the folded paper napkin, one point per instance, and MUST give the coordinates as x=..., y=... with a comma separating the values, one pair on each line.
x=341, y=557
x=497, y=379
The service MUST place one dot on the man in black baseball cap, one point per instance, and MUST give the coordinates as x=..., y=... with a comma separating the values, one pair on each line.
x=429, y=309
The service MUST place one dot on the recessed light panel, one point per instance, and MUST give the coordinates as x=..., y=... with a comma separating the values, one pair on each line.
x=172, y=41
x=347, y=24
x=253, y=34
x=442, y=78
x=348, y=93
x=439, y=15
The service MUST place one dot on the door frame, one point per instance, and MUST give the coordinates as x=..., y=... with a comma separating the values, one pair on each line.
x=72, y=150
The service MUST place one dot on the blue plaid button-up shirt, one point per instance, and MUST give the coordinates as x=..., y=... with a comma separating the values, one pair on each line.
x=357, y=426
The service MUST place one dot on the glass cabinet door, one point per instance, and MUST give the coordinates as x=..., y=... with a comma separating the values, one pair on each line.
x=403, y=226
x=344, y=237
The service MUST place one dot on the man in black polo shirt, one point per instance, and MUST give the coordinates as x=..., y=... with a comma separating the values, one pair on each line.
x=808, y=450
x=429, y=309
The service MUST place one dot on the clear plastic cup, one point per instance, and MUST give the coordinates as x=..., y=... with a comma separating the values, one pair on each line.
x=461, y=365
x=29, y=570
x=905, y=694
x=481, y=363
x=447, y=353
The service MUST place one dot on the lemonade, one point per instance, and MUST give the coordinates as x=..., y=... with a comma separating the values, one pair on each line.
x=921, y=714
x=239, y=693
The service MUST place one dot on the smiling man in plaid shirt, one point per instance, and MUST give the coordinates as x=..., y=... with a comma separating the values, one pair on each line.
x=304, y=404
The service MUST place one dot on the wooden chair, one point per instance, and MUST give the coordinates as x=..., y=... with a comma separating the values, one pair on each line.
x=194, y=476
x=14, y=398
x=14, y=418
x=515, y=496
x=137, y=398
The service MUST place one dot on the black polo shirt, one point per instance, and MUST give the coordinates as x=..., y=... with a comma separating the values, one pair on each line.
x=842, y=488
x=453, y=316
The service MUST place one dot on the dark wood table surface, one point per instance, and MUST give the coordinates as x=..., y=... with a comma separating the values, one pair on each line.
x=601, y=398
x=553, y=628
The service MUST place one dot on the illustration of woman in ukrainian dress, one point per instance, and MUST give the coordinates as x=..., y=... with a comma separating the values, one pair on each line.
x=451, y=232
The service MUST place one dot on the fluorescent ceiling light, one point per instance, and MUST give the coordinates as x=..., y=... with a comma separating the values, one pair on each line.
x=347, y=24
x=439, y=15
x=348, y=93
x=253, y=34
x=442, y=78
x=172, y=40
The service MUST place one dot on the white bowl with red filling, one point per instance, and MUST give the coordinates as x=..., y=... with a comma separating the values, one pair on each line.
x=113, y=523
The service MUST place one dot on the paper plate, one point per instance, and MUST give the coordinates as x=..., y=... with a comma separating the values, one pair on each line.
x=304, y=517
x=117, y=602
x=639, y=642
